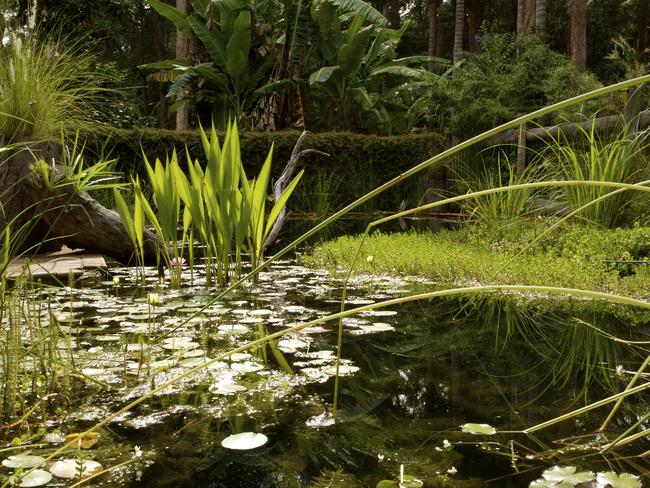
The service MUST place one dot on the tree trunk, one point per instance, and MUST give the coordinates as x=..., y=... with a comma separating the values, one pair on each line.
x=182, y=52
x=458, y=31
x=528, y=17
x=433, y=32
x=474, y=19
x=540, y=17
x=520, y=16
x=64, y=216
x=642, y=23
x=578, y=49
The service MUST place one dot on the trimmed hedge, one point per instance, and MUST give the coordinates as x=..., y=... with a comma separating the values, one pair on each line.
x=358, y=162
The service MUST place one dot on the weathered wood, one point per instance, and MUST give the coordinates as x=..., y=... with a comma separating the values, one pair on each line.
x=59, y=264
x=569, y=130
x=65, y=216
x=284, y=180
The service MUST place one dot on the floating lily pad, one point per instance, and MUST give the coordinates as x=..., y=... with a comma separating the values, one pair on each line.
x=624, y=480
x=344, y=369
x=38, y=477
x=226, y=389
x=482, y=429
x=292, y=344
x=244, y=441
x=567, y=474
x=261, y=312
x=22, y=461
x=233, y=329
x=247, y=367
x=323, y=420
x=72, y=468
x=374, y=328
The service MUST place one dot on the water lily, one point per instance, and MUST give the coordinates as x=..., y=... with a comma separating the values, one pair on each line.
x=178, y=262
x=153, y=298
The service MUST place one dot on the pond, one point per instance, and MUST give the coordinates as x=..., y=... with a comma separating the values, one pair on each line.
x=410, y=376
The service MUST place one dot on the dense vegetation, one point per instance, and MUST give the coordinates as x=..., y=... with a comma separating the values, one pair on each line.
x=421, y=115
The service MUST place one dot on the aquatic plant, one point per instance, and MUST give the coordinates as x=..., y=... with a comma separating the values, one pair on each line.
x=423, y=296
x=223, y=209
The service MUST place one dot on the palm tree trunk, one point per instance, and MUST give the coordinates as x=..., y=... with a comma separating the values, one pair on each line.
x=642, y=22
x=540, y=17
x=433, y=31
x=458, y=30
x=182, y=52
x=578, y=49
x=520, y=16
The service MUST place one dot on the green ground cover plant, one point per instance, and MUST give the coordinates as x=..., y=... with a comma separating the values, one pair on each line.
x=571, y=256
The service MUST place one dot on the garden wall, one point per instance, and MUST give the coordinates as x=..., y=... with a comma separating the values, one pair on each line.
x=358, y=163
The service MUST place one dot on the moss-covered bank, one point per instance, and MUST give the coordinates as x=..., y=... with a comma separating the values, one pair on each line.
x=614, y=261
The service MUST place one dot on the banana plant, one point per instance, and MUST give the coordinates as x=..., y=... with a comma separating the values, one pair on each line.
x=359, y=59
x=225, y=29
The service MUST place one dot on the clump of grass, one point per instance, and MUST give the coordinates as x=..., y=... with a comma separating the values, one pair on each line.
x=496, y=209
x=44, y=86
x=618, y=158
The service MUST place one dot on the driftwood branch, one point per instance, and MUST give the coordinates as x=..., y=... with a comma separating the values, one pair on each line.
x=570, y=130
x=62, y=215
x=284, y=180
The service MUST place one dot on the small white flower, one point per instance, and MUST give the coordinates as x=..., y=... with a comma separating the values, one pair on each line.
x=446, y=444
x=153, y=298
x=116, y=280
x=619, y=370
x=370, y=259
x=380, y=457
x=452, y=470
x=137, y=452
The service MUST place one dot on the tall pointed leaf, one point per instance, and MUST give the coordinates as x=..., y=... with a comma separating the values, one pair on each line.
x=212, y=40
x=363, y=8
x=239, y=45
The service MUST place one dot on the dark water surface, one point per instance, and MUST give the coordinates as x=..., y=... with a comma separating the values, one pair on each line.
x=412, y=374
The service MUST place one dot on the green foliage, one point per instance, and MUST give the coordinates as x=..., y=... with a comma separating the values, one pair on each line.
x=572, y=256
x=353, y=157
x=222, y=208
x=44, y=87
x=226, y=32
x=619, y=158
x=509, y=76
x=497, y=209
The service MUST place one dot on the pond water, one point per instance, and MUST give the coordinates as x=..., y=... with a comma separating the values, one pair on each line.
x=410, y=376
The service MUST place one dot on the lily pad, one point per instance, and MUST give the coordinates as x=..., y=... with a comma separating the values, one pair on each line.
x=567, y=474
x=325, y=419
x=22, y=461
x=244, y=441
x=38, y=477
x=72, y=468
x=226, y=389
x=624, y=480
x=482, y=429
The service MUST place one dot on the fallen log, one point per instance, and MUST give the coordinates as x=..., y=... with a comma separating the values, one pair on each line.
x=55, y=213
x=570, y=130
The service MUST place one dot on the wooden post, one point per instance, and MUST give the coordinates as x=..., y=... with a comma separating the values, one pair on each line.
x=521, y=149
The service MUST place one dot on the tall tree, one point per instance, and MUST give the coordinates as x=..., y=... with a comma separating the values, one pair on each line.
x=540, y=17
x=182, y=52
x=520, y=16
x=578, y=47
x=475, y=11
x=433, y=31
x=643, y=34
x=459, y=24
